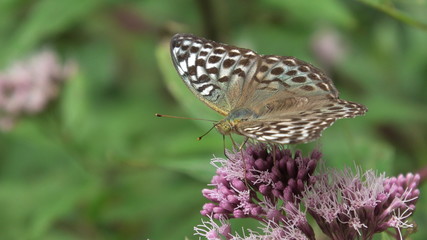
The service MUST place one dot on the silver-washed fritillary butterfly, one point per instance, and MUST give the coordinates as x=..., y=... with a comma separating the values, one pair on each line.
x=265, y=97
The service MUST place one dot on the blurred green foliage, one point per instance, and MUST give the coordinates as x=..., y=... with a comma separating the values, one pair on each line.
x=97, y=164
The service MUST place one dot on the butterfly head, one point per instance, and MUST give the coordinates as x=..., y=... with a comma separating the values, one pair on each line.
x=225, y=126
x=228, y=124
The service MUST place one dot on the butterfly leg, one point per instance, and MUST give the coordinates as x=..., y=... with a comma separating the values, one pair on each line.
x=274, y=153
x=235, y=146
x=243, y=144
x=223, y=145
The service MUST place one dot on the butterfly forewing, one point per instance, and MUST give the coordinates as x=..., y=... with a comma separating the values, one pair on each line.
x=288, y=82
x=286, y=100
x=216, y=73
x=292, y=74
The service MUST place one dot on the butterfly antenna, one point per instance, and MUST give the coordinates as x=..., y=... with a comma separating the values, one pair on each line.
x=170, y=116
x=200, y=138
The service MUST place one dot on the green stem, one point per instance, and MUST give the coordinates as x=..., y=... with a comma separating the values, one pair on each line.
x=397, y=14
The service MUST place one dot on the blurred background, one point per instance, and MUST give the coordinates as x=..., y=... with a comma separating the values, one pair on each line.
x=82, y=155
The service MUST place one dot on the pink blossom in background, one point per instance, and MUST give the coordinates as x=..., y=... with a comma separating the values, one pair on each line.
x=328, y=47
x=28, y=85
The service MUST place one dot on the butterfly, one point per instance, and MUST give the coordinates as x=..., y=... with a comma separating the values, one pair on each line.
x=269, y=98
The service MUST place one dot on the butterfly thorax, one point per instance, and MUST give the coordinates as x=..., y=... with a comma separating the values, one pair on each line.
x=228, y=124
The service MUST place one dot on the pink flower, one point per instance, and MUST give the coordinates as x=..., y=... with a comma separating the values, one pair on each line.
x=254, y=184
x=27, y=86
x=273, y=185
x=328, y=46
x=348, y=205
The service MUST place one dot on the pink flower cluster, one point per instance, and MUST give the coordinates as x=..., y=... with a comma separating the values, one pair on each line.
x=27, y=86
x=273, y=185
x=349, y=205
x=257, y=184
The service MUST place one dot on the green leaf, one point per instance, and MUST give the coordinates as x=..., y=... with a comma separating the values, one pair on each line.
x=394, y=109
x=384, y=236
x=312, y=11
x=47, y=213
x=47, y=17
x=388, y=8
x=74, y=102
x=196, y=167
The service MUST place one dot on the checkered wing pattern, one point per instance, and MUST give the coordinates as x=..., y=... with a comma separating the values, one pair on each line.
x=301, y=127
x=216, y=73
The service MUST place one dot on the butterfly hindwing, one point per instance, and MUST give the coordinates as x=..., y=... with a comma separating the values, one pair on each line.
x=214, y=72
x=286, y=131
x=300, y=127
